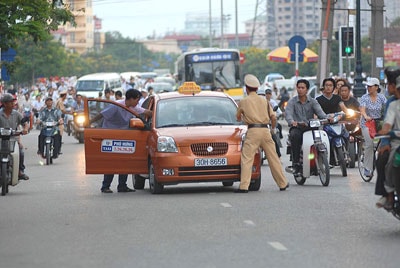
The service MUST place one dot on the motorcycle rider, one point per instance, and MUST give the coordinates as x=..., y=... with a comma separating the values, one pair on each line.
x=10, y=118
x=50, y=113
x=330, y=104
x=276, y=135
x=384, y=149
x=78, y=104
x=299, y=110
x=349, y=101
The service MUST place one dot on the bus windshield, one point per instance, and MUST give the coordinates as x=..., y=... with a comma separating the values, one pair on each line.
x=220, y=74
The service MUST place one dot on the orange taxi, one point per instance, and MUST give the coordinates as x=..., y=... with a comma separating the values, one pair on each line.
x=193, y=136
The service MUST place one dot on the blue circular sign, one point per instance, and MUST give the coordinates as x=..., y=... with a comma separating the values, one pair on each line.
x=297, y=39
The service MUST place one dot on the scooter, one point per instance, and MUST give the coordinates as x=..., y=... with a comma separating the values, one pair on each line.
x=314, y=154
x=77, y=126
x=338, y=135
x=9, y=155
x=49, y=131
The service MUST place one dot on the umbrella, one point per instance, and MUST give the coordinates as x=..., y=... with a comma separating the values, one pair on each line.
x=283, y=54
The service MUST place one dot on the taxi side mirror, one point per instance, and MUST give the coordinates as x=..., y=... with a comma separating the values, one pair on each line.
x=136, y=123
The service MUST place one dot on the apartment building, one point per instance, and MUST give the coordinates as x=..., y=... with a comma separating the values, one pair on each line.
x=80, y=38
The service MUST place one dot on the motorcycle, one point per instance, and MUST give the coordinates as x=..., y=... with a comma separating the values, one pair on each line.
x=77, y=126
x=394, y=134
x=314, y=154
x=352, y=124
x=338, y=135
x=9, y=155
x=49, y=130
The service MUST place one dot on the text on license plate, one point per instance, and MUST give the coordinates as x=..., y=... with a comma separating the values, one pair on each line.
x=204, y=162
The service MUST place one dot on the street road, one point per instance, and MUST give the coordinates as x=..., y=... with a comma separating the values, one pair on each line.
x=59, y=218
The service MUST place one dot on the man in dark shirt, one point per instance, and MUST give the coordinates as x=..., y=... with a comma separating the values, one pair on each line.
x=330, y=103
x=349, y=101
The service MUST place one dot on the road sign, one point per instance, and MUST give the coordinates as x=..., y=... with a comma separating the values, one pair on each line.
x=297, y=39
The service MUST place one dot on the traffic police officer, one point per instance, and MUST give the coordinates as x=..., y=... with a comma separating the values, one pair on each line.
x=253, y=111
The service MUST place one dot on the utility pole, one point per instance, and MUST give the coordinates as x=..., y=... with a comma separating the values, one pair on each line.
x=210, y=24
x=377, y=37
x=359, y=88
x=222, y=24
x=326, y=40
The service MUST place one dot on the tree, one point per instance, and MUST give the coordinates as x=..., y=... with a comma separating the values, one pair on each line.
x=395, y=22
x=37, y=19
x=21, y=18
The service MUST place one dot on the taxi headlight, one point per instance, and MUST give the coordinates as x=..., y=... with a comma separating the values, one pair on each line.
x=166, y=144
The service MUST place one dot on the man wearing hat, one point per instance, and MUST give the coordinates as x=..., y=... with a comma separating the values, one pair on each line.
x=258, y=135
x=50, y=113
x=10, y=118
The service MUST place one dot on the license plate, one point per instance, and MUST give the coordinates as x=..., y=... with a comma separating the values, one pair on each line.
x=208, y=162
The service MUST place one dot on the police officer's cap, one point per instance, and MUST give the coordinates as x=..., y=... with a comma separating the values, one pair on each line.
x=251, y=81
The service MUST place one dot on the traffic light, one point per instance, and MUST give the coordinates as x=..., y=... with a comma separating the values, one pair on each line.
x=347, y=37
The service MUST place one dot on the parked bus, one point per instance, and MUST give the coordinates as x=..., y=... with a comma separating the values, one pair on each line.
x=211, y=69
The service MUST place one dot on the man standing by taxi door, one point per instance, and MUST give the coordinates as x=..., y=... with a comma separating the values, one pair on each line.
x=253, y=111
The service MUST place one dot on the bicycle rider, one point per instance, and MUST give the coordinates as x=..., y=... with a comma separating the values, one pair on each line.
x=371, y=106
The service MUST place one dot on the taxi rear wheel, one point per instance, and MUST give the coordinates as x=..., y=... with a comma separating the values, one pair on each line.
x=155, y=187
x=139, y=182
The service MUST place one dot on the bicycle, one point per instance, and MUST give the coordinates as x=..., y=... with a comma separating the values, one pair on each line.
x=360, y=156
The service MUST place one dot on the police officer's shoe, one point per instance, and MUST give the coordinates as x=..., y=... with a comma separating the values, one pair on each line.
x=284, y=188
x=241, y=191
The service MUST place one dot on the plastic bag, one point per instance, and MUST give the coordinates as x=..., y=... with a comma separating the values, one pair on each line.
x=371, y=125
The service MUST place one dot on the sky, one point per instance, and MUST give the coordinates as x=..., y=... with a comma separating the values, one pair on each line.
x=138, y=19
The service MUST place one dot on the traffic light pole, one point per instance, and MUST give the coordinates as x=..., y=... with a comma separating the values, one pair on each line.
x=359, y=88
x=340, y=53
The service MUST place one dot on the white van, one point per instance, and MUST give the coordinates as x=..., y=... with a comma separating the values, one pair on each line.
x=93, y=85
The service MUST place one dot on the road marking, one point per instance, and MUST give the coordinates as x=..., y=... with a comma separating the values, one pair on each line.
x=249, y=223
x=277, y=246
x=226, y=205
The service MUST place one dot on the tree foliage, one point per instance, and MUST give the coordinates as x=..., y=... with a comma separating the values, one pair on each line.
x=34, y=18
x=121, y=54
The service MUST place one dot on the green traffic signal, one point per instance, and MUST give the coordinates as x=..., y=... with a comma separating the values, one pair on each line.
x=348, y=50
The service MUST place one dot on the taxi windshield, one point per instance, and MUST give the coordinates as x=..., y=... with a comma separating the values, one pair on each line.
x=196, y=111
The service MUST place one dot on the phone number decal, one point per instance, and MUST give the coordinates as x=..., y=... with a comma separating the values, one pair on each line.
x=118, y=146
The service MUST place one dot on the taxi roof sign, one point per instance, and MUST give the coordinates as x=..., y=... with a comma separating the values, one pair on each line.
x=189, y=88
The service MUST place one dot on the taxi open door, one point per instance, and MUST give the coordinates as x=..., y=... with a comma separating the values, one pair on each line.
x=112, y=150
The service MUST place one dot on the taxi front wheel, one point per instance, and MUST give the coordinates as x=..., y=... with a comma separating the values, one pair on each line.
x=155, y=187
